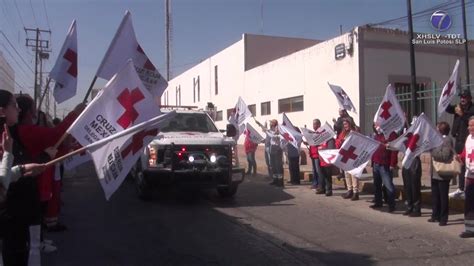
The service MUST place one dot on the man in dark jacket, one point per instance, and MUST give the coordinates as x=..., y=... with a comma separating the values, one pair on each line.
x=461, y=112
x=338, y=123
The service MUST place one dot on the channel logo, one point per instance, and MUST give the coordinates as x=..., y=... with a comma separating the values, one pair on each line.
x=441, y=21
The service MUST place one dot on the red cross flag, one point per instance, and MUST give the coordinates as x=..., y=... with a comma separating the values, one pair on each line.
x=240, y=116
x=125, y=46
x=114, y=156
x=64, y=71
x=254, y=134
x=449, y=90
x=289, y=133
x=320, y=136
x=76, y=160
x=123, y=102
x=356, y=151
x=329, y=157
x=342, y=98
x=420, y=137
x=389, y=117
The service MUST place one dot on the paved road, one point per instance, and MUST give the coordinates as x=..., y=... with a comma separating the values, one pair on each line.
x=263, y=225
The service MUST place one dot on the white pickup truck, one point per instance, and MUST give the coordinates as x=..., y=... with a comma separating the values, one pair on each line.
x=189, y=152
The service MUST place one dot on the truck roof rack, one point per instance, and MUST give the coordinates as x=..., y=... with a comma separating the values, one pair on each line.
x=179, y=107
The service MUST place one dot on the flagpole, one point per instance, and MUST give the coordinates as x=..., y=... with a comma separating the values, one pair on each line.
x=62, y=158
x=44, y=93
x=90, y=89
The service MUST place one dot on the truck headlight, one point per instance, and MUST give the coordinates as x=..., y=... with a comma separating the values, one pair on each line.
x=191, y=158
x=152, y=156
x=213, y=158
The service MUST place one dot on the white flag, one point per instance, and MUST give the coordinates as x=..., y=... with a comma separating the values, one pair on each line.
x=329, y=157
x=342, y=98
x=114, y=156
x=449, y=90
x=320, y=136
x=420, y=137
x=286, y=121
x=240, y=116
x=76, y=160
x=254, y=135
x=356, y=150
x=64, y=71
x=291, y=136
x=390, y=116
x=125, y=46
x=122, y=103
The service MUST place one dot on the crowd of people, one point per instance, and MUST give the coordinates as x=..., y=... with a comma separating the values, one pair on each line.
x=30, y=190
x=384, y=164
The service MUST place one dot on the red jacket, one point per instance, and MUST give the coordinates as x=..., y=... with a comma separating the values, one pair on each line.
x=35, y=140
x=313, y=152
x=382, y=155
x=249, y=146
x=340, y=139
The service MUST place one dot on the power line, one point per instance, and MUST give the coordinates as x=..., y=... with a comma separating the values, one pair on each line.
x=46, y=12
x=19, y=14
x=18, y=64
x=21, y=57
x=33, y=11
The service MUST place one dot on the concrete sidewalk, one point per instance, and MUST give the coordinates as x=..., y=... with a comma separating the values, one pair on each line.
x=367, y=185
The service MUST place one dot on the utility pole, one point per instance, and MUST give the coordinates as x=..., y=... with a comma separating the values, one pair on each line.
x=466, y=44
x=168, y=38
x=41, y=49
x=412, y=60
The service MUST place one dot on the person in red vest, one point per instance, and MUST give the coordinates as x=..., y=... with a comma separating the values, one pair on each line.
x=383, y=163
x=250, y=148
x=313, y=154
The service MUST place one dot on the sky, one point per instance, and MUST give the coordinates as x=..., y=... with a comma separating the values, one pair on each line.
x=200, y=28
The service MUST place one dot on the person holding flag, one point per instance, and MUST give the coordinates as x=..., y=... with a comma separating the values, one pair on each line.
x=467, y=156
x=351, y=181
x=461, y=114
x=313, y=154
x=250, y=148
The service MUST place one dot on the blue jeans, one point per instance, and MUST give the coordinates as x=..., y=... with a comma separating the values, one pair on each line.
x=252, y=163
x=315, y=162
x=383, y=175
x=268, y=162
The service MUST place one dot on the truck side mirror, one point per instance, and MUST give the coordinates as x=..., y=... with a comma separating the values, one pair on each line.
x=231, y=131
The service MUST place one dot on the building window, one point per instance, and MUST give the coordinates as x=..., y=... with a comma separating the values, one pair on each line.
x=293, y=104
x=219, y=116
x=216, y=80
x=403, y=92
x=196, y=89
x=229, y=112
x=265, y=108
x=253, y=109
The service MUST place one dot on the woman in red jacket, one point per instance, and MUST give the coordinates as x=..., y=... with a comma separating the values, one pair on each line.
x=250, y=148
x=351, y=181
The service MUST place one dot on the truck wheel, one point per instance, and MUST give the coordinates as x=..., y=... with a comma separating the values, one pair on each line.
x=227, y=192
x=144, y=189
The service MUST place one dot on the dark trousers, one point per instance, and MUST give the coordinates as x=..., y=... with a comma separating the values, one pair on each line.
x=325, y=179
x=412, y=186
x=15, y=249
x=462, y=177
x=315, y=162
x=440, y=198
x=469, y=205
x=268, y=162
x=276, y=160
x=294, y=168
x=252, y=163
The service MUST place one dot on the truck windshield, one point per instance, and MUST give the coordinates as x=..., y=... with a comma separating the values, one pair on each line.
x=190, y=122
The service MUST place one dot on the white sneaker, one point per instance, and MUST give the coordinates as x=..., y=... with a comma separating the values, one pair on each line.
x=458, y=194
x=47, y=248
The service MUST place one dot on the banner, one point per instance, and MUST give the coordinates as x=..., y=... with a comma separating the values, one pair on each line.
x=449, y=90
x=342, y=98
x=320, y=136
x=330, y=155
x=390, y=116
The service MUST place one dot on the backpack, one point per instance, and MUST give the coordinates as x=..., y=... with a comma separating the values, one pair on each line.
x=445, y=152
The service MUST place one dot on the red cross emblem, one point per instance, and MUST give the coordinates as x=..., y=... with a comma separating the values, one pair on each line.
x=287, y=137
x=385, y=107
x=137, y=142
x=348, y=154
x=471, y=156
x=411, y=141
x=448, y=90
x=331, y=159
x=71, y=56
x=128, y=100
x=148, y=64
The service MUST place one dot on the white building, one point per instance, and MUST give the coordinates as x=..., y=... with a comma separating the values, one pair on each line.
x=279, y=74
x=7, y=75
